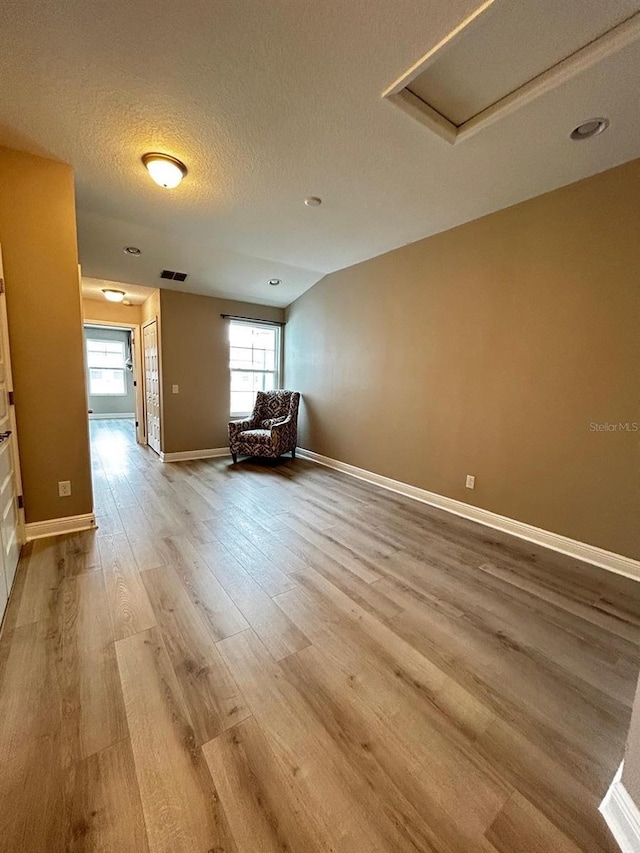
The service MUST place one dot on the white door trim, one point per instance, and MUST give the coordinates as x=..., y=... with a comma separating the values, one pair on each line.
x=15, y=446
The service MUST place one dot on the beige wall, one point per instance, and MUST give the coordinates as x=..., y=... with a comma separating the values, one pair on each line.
x=38, y=237
x=489, y=350
x=111, y=312
x=150, y=308
x=195, y=356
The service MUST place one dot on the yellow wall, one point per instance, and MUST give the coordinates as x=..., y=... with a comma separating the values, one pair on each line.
x=38, y=237
x=111, y=312
x=490, y=350
x=150, y=308
x=195, y=356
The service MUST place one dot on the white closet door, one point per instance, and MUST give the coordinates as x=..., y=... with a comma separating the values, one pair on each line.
x=152, y=384
x=10, y=516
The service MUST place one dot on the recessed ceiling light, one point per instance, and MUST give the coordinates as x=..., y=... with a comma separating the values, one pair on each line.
x=313, y=201
x=166, y=171
x=274, y=282
x=113, y=295
x=590, y=128
x=132, y=250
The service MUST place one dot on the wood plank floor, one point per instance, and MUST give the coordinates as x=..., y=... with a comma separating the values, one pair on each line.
x=277, y=657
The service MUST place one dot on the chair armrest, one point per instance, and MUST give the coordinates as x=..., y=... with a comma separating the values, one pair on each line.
x=279, y=427
x=236, y=427
x=284, y=435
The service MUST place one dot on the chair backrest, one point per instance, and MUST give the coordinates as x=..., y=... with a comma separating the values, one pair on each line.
x=276, y=404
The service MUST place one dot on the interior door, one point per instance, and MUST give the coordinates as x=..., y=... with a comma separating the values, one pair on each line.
x=151, y=383
x=10, y=514
x=139, y=384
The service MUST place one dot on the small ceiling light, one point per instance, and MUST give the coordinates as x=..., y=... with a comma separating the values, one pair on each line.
x=166, y=171
x=274, y=282
x=127, y=302
x=313, y=201
x=590, y=128
x=113, y=295
x=132, y=250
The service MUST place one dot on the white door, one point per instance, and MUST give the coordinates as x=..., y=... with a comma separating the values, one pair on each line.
x=10, y=514
x=152, y=384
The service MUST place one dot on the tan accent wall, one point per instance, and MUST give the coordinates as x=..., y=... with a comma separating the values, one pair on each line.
x=631, y=769
x=490, y=350
x=150, y=308
x=195, y=356
x=38, y=237
x=111, y=312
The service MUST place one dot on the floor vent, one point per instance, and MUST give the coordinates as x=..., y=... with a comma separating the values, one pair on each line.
x=175, y=276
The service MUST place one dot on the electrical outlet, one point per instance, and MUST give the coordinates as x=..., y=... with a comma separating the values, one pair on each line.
x=175, y=389
x=471, y=481
x=64, y=488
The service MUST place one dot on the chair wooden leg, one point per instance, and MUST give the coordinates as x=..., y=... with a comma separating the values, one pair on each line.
x=234, y=456
x=293, y=453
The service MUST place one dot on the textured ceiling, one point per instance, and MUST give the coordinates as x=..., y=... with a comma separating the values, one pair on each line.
x=269, y=102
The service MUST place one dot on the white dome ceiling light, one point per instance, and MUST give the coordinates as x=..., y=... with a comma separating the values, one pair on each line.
x=166, y=171
x=113, y=295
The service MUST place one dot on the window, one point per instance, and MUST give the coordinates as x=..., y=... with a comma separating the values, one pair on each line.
x=106, y=364
x=254, y=360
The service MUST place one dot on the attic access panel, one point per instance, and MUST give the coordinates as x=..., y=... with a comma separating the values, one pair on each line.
x=507, y=53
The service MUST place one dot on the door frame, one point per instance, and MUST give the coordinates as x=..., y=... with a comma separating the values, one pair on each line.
x=138, y=372
x=15, y=449
x=155, y=319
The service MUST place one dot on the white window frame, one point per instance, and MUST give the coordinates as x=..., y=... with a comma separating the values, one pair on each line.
x=277, y=373
x=123, y=369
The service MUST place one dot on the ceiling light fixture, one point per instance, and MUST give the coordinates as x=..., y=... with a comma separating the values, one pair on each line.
x=274, y=282
x=590, y=128
x=132, y=250
x=113, y=295
x=313, y=201
x=166, y=171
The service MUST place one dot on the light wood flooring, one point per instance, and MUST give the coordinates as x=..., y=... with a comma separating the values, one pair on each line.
x=277, y=657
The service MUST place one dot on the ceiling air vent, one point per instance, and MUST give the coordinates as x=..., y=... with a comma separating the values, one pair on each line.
x=175, y=276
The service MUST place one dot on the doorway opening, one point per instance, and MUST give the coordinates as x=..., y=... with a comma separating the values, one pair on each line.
x=113, y=372
x=122, y=360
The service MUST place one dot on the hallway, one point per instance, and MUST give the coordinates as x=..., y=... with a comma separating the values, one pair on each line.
x=275, y=656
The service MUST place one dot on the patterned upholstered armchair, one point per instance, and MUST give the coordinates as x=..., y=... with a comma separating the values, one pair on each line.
x=271, y=430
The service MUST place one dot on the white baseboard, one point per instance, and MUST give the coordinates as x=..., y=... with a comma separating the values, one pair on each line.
x=104, y=416
x=622, y=815
x=188, y=455
x=56, y=526
x=578, y=550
